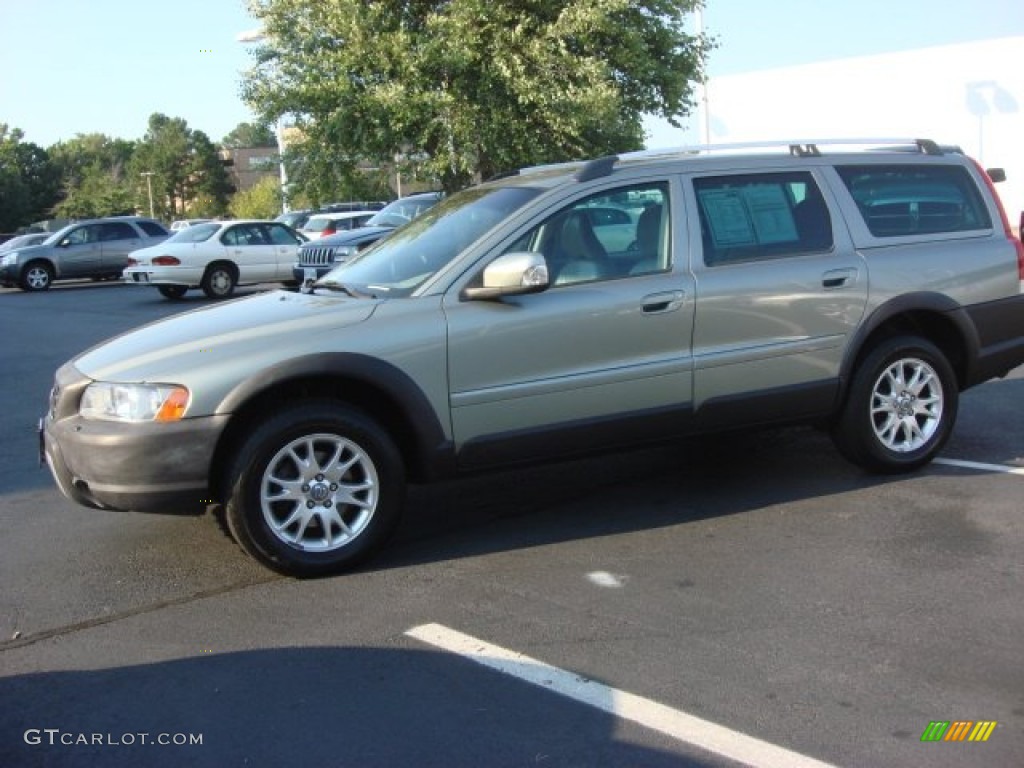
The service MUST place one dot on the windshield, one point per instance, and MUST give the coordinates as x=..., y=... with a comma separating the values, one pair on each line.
x=317, y=223
x=400, y=212
x=398, y=265
x=196, y=234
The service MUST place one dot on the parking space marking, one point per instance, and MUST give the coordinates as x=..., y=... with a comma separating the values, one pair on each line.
x=1003, y=468
x=674, y=723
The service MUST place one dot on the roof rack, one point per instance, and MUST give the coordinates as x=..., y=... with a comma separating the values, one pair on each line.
x=799, y=148
x=603, y=166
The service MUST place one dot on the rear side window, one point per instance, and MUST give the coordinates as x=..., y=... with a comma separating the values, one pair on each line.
x=761, y=216
x=900, y=200
x=152, y=229
x=117, y=230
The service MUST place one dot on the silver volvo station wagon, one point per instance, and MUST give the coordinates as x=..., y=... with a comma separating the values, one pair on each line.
x=560, y=310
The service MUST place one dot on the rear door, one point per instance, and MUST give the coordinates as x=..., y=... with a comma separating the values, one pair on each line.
x=118, y=239
x=780, y=291
x=249, y=247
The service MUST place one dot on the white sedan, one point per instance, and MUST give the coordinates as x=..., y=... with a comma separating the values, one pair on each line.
x=217, y=256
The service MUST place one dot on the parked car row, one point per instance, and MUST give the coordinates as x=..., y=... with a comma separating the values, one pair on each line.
x=215, y=256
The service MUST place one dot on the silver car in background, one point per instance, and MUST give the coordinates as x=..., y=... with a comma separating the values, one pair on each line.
x=94, y=248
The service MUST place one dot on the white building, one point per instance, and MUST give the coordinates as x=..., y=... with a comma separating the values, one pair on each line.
x=970, y=94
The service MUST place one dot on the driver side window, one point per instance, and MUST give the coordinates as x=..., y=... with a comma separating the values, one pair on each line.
x=617, y=233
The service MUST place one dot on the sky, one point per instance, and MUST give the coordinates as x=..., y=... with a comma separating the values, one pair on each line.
x=71, y=67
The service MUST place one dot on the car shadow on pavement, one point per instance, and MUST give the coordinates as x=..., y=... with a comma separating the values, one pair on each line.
x=670, y=485
x=321, y=706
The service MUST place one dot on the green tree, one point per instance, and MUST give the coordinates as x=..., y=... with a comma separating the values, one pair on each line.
x=261, y=201
x=246, y=135
x=95, y=177
x=462, y=89
x=29, y=181
x=188, y=175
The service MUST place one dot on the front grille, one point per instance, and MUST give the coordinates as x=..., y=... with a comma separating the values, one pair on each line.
x=316, y=257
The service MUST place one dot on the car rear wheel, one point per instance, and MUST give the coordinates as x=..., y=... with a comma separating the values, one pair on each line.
x=315, y=489
x=219, y=281
x=172, y=291
x=36, y=276
x=901, y=407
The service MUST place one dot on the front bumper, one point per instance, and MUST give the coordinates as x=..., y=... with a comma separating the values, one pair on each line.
x=144, y=467
x=9, y=275
x=306, y=276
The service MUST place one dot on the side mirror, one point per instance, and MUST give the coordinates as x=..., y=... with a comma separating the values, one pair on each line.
x=511, y=274
x=998, y=175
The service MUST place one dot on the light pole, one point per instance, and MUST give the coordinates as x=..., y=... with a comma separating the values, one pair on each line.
x=258, y=36
x=149, y=188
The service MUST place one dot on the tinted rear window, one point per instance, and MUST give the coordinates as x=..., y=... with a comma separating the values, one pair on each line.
x=152, y=228
x=901, y=200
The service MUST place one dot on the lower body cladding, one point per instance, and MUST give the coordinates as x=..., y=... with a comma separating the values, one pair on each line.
x=154, y=467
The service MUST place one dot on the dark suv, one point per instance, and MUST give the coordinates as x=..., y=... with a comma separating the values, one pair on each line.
x=858, y=290
x=321, y=256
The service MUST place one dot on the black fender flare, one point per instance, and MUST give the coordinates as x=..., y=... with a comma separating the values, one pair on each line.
x=433, y=448
x=906, y=305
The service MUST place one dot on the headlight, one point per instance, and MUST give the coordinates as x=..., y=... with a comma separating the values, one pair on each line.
x=134, y=402
x=10, y=259
x=344, y=252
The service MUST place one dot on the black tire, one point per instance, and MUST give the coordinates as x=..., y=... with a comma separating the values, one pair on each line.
x=36, y=276
x=901, y=407
x=324, y=516
x=172, y=291
x=219, y=281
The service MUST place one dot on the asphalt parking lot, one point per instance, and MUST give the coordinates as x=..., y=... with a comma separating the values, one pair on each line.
x=745, y=599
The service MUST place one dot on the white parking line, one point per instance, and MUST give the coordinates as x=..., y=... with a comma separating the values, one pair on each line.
x=979, y=466
x=650, y=714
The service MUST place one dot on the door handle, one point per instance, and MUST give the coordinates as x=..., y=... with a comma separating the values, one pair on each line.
x=666, y=301
x=839, y=278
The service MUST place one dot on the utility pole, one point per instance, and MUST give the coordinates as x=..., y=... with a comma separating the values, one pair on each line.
x=149, y=188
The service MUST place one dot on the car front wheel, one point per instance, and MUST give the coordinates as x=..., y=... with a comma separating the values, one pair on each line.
x=37, y=276
x=315, y=489
x=900, y=408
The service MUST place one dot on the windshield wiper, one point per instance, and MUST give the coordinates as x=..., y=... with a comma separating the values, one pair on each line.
x=343, y=288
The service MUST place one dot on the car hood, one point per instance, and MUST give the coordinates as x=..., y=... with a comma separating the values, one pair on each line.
x=253, y=331
x=28, y=250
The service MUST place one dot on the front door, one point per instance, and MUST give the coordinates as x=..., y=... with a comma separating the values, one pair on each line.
x=600, y=357
x=80, y=252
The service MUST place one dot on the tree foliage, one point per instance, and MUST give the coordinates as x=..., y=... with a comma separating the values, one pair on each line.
x=94, y=177
x=29, y=180
x=462, y=89
x=260, y=201
x=187, y=169
x=245, y=135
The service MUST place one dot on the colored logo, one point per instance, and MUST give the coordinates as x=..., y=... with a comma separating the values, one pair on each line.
x=958, y=730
